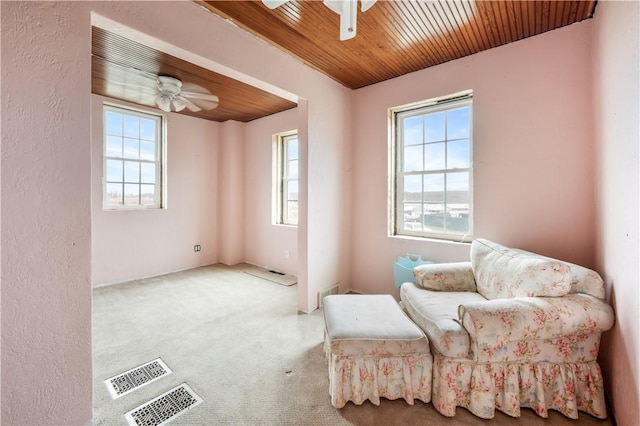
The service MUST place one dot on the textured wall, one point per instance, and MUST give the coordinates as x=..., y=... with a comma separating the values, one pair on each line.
x=264, y=242
x=532, y=153
x=133, y=244
x=46, y=235
x=616, y=64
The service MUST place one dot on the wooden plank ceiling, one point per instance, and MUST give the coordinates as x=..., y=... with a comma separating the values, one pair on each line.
x=127, y=70
x=394, y=37
x=397, y=37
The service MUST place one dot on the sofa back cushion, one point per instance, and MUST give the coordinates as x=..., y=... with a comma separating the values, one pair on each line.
x=583, y=280
x=502, y=272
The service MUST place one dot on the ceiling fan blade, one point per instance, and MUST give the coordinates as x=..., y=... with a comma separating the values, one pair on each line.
x=203, y=96
x=151, y=85
x=206, y=104
x=190, y=105
x=192, y=87
x=272, y=4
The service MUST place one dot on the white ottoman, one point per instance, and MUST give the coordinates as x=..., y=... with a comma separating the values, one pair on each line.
x=374, y=350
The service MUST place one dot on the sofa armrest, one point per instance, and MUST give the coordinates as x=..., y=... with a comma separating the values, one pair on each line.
x=445, y=276
x=498, y=321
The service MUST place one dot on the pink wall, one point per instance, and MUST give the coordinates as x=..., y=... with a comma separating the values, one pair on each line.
x=46, y=118
x=616, y=65
x=231, y=186
x=130, y=245
x=533, y=142
x=532, y=148
x=323, y=230
x=46, y=216
x=265, y=243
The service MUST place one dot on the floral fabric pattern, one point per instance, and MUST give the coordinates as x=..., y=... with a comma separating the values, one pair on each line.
x=436, y=312
x=374, y=351
x=530, y=338
x=357, y=378
x=494, y=323
x=484, y=387
x=446, y=277
x=501, y=272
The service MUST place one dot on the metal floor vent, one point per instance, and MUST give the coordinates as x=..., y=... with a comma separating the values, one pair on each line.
x=166, y=407
x=135, y=378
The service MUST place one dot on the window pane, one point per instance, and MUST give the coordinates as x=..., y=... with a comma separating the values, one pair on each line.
x=114, y=171
x=147, y=129
x=413, y=188
x=434, y=186
x=458, y=123
x=114, y=146
x=147, y=173
x=114, y=194
x=412, y=130
x=147, y=150
x=458, y=218
x=131, y=194
x=412, y=215
x=293, y=169
x=413, y=159
x=113, y=125
x=131, y=148
x=131, y=171
x=292, y=190
x=147, y=195
x=434, y=156
x=434, y=127
x=433, y=169
x=292, y=212
x=131, y=126
x=433, y=218
x=458, y=181
x=292, y=149
x=458, y=154
x=128, y=136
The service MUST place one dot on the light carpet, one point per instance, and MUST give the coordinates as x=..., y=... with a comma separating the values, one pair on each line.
x=238, y=342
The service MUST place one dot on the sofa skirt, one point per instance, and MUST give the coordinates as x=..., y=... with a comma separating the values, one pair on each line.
x=358, y=378
x=484, y=387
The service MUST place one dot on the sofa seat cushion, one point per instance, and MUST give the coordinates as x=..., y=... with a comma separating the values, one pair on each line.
x=502, y=272
x=436, y=313
x=370, y=325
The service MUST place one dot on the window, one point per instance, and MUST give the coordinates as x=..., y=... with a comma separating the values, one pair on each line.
x=133, y=158
x=286, y=178
x=431, y=185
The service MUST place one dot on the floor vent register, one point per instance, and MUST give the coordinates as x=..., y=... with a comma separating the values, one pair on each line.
x=133, y=379
x=166, y=407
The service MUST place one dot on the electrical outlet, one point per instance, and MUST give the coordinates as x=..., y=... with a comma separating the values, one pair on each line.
x=197, y=247
x=286, y=254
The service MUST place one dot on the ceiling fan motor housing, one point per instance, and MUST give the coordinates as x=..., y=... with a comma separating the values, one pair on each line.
x=169, y=86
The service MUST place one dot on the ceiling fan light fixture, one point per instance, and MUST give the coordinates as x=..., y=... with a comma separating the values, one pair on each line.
x=347, y=9
x=164, y=102
x=178, y=105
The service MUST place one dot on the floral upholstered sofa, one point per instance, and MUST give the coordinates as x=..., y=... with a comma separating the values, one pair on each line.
x=511, y=329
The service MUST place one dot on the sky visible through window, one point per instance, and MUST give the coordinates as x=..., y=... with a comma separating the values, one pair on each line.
x=291, y=178
x=435, y=142
x=435, y=166
x=131, y=167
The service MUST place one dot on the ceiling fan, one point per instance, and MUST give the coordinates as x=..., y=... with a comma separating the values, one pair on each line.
x=347, y=9
x=175, y=96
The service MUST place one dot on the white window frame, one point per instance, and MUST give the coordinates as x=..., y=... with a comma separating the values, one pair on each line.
x=396, y=157
x=158, y=161
x=281, y=178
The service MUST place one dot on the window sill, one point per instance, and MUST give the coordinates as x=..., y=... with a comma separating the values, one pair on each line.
x=466, y=241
